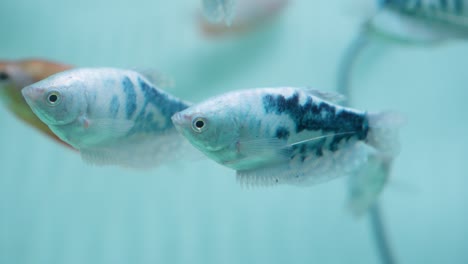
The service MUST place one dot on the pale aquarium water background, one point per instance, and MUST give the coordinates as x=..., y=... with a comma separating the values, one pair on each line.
x=54, y=208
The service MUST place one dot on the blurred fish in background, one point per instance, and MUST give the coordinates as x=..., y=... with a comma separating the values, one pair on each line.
x=217, y=11
x=111, y=116
x=422, y=22
x=250, y=15
x=416, y=23
x=14, y=75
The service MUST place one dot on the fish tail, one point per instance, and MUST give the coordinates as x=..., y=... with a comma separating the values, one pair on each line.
x=368, y=182
x=383, y=133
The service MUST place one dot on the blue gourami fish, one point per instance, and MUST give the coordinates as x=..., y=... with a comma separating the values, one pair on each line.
x=111, y=116
x=216, y=11
x=287, y=135
x=423, y=21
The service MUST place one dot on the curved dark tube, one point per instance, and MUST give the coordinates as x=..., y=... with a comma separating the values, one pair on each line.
x=380, y=235
x=348, y=59
x=344, y=76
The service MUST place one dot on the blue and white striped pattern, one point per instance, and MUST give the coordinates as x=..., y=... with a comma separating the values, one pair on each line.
x=113, y=116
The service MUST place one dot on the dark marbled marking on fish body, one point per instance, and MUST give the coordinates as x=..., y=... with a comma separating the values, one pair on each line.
x=167, y=106
x=129, y=90
x=145, y=121
x=282, y=133
x=114, y=106
x=318, y=116
x=312, y=148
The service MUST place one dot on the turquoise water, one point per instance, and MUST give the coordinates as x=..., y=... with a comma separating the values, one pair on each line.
x=56, y=209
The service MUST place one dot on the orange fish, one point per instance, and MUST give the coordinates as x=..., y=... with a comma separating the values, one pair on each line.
x=14, y=75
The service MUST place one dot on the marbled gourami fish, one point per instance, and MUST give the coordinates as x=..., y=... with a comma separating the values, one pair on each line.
x=287, y=135
x=111, y=116
x=421, y=20
x=14, y=75
x=216, y=11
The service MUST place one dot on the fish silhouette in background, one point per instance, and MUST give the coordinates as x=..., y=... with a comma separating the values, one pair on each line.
x=112, y=116
x=420, y=22
x=250, y=15
x=14, y=75
x=416, y=23
x=217, y=11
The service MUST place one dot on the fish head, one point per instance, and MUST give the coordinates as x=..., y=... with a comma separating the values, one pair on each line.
x=209, y=127
x=57, y=100
x=15, y=75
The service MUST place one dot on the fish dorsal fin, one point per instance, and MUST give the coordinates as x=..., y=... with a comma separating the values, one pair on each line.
x=326, y=95
x=161, y=80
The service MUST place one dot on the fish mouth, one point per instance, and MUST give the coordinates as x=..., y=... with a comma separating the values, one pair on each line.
x=180, y=120
x=29, y=94
x=32, y=95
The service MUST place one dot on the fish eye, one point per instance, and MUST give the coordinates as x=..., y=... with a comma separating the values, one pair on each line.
x=4, y=76
x=53, y=98
x=199, y=124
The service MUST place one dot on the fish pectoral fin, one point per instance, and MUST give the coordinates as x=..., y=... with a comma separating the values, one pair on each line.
x=366, y=183
x=116, y=126
x=310, y=171
x=331, y=97
x=139, y=152
x=258, y=153
x=310, y=140
x=263, y=146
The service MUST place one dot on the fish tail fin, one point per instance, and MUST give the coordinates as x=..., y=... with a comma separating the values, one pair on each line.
x=383, y=133
x=368, y=182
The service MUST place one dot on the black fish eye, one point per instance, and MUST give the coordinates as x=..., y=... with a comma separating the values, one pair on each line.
x=53, y=98
x=4, y=76
x=199, y=124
